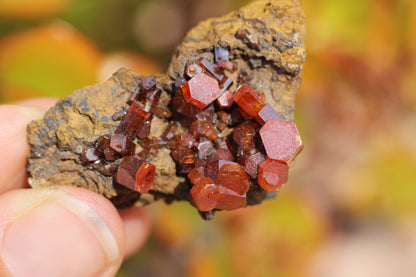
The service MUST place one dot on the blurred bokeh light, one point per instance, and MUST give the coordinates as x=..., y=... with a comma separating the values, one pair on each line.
x=349, y=208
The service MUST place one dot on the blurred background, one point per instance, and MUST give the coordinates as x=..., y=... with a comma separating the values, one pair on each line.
x=349, y=208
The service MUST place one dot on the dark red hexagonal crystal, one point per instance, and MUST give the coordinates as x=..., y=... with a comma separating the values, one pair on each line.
x=126, y=172
x=103, y=142
x=246, y=134
x=223, y=151
x=122, y=144
x=133, y=121
x=281, y=140
x=201, y=90
x=88, y=155
x=111, y=155
x=181, y=106
x=272, y=175
x=135, y=174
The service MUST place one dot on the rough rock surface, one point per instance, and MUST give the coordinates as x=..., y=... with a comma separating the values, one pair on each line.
x=273, y=61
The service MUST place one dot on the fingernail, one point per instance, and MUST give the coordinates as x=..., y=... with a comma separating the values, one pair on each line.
x=60, y=235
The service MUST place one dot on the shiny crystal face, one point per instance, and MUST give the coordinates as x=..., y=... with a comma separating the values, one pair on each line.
x=201, y=90
x=272, y=175
x=225, y=140
x=281, y=140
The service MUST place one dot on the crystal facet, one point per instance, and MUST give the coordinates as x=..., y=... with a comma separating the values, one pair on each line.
x=148, y=83
x=248, y=99
x=233, y=177
x=201, y=90
x=122, y=144
x=252, y=163
x=266, y=113
x=126, y=172
x=88, y=156
x=227, y=199
x=272, y=175
x=192, y=69
x=281, y=140
x=225, y=100
x=203, y=193
x=145, y=177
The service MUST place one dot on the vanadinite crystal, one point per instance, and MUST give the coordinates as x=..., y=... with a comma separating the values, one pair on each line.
x=203, y=194
x=122, y=144
x=132, y=121
x=201, y=90
x=226, y=99
x=272, y=175
x=233, y=177
x=248, y=99
x=126, y=173
x=89, y=156
x=135, y=174
x=281, y=140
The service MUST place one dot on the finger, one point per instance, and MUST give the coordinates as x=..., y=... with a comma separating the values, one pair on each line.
x=137, y=223
x=59, y=232
x=13, y=143
x=44, y=103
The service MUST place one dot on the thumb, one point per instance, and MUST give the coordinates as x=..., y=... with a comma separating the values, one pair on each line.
x=59, y=232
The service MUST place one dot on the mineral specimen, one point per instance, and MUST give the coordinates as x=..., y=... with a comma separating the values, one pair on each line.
x=217, y=130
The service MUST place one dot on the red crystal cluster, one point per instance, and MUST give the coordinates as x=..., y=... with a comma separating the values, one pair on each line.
x=222, y=153
x=227, y=141
x=133, y=171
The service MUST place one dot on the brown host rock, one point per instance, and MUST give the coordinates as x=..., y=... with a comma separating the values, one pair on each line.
x=265, y=44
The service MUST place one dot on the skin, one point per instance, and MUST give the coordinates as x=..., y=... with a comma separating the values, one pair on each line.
x=62, y=231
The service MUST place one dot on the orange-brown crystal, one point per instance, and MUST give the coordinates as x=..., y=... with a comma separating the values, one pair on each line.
x=203, y=194
x=272, y=175
x=227, y=199
x=145, y=177
x=248, y=99
x=233, y=177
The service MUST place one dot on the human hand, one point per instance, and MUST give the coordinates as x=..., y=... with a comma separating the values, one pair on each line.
x=62, y=231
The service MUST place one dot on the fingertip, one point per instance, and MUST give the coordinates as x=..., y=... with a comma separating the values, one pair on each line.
x=137, y=224
x=44, y=103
